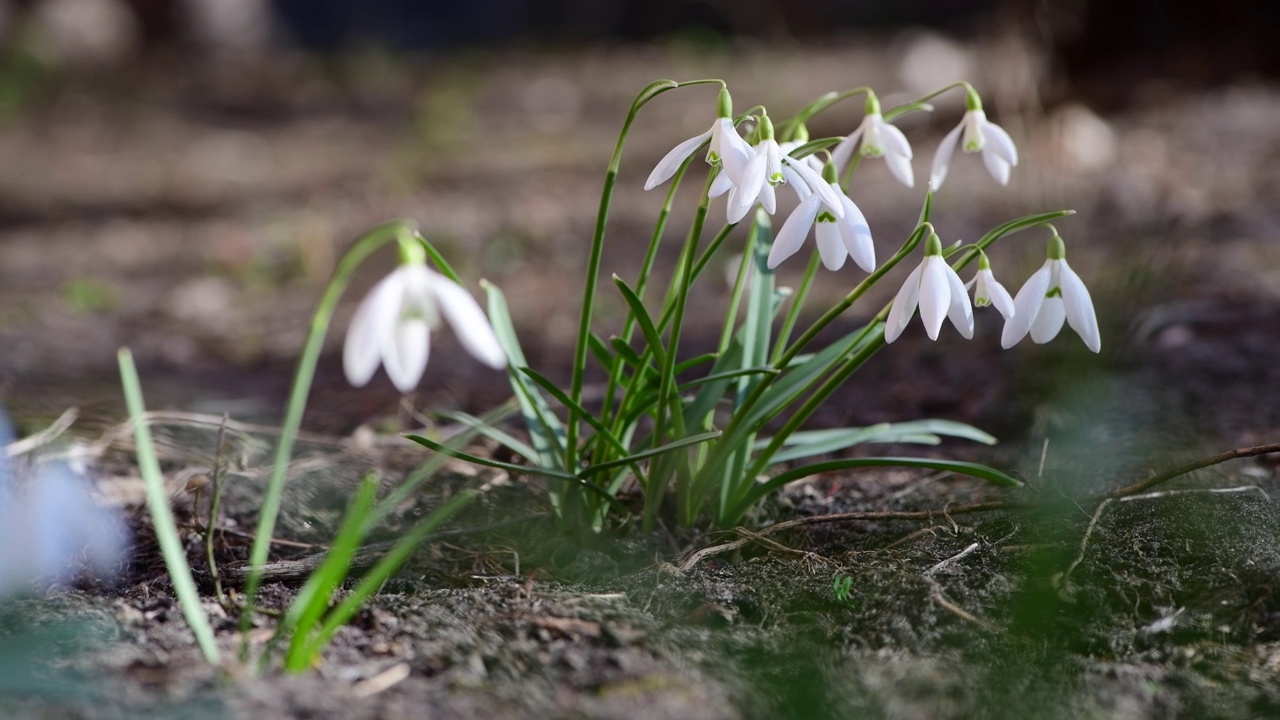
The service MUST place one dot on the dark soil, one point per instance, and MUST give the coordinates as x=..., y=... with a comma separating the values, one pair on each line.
x=1164, y=605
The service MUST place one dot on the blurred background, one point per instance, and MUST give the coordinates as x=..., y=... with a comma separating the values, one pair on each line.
x=179, y=176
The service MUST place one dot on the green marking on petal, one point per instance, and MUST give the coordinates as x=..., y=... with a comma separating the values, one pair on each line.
x=1054, y=293
x=826, y=217
x=981, y=301
x=776, y=179
x=872, y=151
x=973, y=146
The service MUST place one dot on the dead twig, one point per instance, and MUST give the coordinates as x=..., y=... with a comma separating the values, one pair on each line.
x=951, y=560
x=940, y=598
x=45, y=436
x=1064, y=581
x=1199, y=491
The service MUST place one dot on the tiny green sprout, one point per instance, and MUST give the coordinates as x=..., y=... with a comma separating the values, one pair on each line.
x=842, y=588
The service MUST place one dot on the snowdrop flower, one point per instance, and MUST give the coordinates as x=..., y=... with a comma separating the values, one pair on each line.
x=838, y=238
x=1052, y=295
x=727, y=149
x=939, y=293
x=988, y=291
x=878, y=138
x=393, y=325
x=976, y=134
x=769, y=167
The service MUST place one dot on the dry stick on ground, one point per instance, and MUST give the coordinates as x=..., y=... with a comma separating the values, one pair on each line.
x=1064, y=582
x=1131, y=489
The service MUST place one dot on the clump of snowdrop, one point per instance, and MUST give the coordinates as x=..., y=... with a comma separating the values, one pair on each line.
x=1054, y=295
x=51, y=530
x=874, y=138
x=976, y=133
x=939, y=293
x=392, y=326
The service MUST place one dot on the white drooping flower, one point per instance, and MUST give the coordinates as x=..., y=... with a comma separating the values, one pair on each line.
x=726, y=149
x=988, y=291
x=976, y=134
x=876, y=137
x=939, y=293
x=392, y=327
x=1054, y=294
x=837, y=238
x=50, y=527
x=769, y=167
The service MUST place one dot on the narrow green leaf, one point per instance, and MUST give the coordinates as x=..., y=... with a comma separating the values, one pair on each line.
x=312, y=600
x=652, y=452
x=643, y=320
x=694, y=362
x=544, y=427
x=499, y=436
x=600, y=349
x=809, y=443
x=513, y=468
x=378, y=575
x=170, y=541
x=627, y=353
x=728, y=375
x=977, y=470
x=565, y=400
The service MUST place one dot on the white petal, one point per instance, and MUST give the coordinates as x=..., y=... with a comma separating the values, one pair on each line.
x=734, y=152
x=820, y=186
x=671, y=162
x=830, y=247
x=1079, y=307
x=796, y=182
x=960, y=313
x=748, y=190
x=996, y=165
x=1026, y=306
x=794, y=231
x=904, y=305
x=935, y=294
x=895, y=141
x=942, y=157
x=999, y=142
x=900, y=167
x=840, y=156
x=405, y=352
x=1049, y=321
x=1000, y=298
x=856, y=235
x=376, y=315
x=768, y=198
x=721, y=185
x=468, y=321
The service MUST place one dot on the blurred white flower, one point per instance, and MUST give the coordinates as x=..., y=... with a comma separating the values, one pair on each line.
x=50, y=528
x=979, y=135
x=837, y=237
x=939, y=293
x=1054, y=294
x=876, y=137
x=393, y=325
